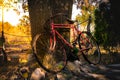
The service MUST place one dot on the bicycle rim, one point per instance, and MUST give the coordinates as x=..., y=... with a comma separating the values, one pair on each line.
x=89, y=47
x=53, y=59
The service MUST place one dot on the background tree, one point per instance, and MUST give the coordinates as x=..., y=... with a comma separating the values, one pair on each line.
x=115, y=11
x=107, y=24
x=102, y=20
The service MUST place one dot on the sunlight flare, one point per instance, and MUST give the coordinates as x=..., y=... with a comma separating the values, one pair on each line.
x=11, y=16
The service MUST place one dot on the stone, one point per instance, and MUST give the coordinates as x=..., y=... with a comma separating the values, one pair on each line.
x=38, y=74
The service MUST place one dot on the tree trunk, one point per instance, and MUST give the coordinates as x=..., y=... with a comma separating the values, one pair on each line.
x=41, y=10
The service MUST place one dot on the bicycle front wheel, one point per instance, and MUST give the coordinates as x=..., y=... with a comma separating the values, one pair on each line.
x=51, y=58
x=89, y=48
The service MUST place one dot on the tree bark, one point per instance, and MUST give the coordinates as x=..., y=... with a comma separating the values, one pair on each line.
x=41, y=10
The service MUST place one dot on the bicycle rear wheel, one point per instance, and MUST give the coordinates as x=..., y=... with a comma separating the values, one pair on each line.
x=89, y=47
x=53, y=59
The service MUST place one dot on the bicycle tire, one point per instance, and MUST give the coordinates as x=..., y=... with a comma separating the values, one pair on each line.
x=52, y=61
x=59, y=47
x=89, y=47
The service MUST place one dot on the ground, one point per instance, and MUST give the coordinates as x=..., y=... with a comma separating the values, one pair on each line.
x=17, y=55
x=20, y=56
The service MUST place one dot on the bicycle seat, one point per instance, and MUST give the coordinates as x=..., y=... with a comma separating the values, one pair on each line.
x=70, y=21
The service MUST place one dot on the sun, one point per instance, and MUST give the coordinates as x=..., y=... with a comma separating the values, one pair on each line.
x=11, y=16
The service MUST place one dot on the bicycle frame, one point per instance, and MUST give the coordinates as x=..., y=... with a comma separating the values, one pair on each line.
x=55, y=32
x=55, y=45
x=74, y=36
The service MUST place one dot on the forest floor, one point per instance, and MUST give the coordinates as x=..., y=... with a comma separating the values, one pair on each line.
x=17, y=56
x=20, y=56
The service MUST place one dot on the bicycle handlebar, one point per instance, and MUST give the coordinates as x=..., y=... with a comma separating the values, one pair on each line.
x=70, y=20
x=73, y=21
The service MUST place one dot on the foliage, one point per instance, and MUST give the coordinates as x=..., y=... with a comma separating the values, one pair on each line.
x=7, y=27
x=25, y=5
x=24, y=21
x=85, y=13
x=24, y=24
x=106, y=25
x=101, y=28
x=105, y=29
x=16, y=34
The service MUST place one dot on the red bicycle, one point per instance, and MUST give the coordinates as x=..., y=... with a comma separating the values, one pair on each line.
x=53, y=48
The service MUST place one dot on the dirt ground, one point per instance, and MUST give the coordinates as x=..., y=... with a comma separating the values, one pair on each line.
x=19, y=55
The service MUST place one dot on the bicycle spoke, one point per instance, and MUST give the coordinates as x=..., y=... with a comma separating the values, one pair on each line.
x=52, y=60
